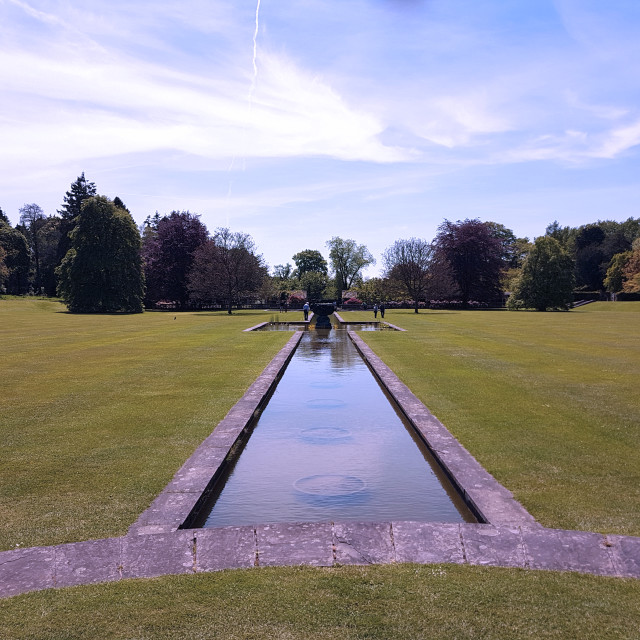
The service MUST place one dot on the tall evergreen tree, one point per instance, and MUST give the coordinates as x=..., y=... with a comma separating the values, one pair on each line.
x=79, y=191
x=102, y=271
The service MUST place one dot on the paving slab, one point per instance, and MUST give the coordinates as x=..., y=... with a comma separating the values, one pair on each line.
x=486, y=545
x=88, y=562
x=158, y=555
x=295, y=544
x=625, y=554
x=225, y=548
x=561, y=550
x=24, y=570
x=363, y=543
x=427, y=543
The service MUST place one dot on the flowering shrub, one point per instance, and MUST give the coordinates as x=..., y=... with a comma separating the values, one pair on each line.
x=296, y=300
x=353, y=301
x=456, y=304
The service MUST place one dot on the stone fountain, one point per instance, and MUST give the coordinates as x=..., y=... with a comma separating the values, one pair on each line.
x=322, y=311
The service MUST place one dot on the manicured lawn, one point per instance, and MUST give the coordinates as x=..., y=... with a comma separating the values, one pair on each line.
x=390, y=602
x=549, y=403
x=99, y=412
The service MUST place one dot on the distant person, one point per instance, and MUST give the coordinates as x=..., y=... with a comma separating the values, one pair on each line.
x=364, y=306
x=381, y=308
x=305, y=309
x=375, y=310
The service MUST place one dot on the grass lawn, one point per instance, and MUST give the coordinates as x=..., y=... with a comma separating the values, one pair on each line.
x=99, y=411
x=386, y=602
x=549, y=403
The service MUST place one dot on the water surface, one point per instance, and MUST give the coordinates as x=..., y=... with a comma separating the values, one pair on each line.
x=331, y=446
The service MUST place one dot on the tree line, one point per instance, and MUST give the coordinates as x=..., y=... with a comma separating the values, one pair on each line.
x=96, y=259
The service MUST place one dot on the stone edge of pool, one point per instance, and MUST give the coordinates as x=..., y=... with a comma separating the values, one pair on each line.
x=160, y=544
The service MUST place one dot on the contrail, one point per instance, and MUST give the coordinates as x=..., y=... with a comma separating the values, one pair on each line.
x=255, y=55
x=252, y=89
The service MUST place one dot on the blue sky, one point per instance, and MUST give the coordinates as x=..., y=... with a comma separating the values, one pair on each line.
x=298, y=121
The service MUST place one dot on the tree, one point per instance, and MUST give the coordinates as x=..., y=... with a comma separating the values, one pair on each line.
x=474, y=256
x=564, y=235
x=314, y=283
x=590, y=257
x=32, y=218
x=283, y=271
x=102, y=271
x=17, y=259
x=631, y=270
x=547, y=278
x=514, y=249
x=4, y=218
x=226, y=267
x=168, y=252
x=79, y=191
x=120, y=204
x=409, y=262
x=614, y=279
x=347, y=261
x=4, y=270
x=375, y=290
x=308, y=261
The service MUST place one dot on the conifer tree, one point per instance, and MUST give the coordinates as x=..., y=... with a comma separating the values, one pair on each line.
x=102, y=271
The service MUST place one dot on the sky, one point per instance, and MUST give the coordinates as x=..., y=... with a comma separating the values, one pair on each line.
x=298, y=121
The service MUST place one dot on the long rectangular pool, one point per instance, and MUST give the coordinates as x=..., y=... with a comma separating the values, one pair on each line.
x=331, y=445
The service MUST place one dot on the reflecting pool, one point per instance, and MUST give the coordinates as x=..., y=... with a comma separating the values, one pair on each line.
x=330, y=445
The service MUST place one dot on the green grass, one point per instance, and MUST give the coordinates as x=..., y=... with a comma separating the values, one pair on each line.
x=99, y=411
x=386, y=602
x=549, y=403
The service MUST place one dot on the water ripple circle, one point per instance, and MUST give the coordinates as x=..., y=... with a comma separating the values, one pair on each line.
x=325, y=403
x=330, y=485
x=323, y=434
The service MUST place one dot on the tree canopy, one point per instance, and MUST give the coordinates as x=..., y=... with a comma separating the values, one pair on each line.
x=348, y=260
x=475, y=257
x=409, y=262
x=168, y=253
x=17, y=259
x=309, y=260
x=547, y=279
x=226, y=267
x=102, y=271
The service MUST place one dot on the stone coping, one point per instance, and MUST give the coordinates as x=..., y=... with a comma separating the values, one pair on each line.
x=341, y=320
x=322, y=544
x=301, y=323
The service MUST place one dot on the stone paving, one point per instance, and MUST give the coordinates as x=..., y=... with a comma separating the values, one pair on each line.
x=161, y=542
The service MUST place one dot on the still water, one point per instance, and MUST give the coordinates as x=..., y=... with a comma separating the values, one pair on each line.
x=330, y=446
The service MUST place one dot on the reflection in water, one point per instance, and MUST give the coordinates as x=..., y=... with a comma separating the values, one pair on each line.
x=330, y=446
